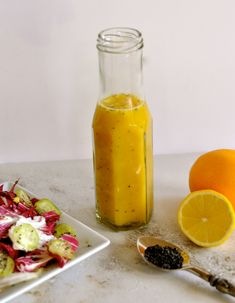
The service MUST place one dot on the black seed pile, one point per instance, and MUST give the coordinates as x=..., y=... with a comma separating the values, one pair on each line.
x=165, y=257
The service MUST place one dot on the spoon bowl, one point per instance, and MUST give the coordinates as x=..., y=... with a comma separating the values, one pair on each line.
x=148, y=241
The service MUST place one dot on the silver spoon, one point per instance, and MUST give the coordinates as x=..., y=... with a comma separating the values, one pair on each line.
x=221, y=284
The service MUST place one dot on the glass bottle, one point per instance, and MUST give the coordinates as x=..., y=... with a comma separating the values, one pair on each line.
x=122, y=133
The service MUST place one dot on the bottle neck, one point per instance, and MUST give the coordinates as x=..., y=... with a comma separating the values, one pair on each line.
x=121, y=74
x=120, y=62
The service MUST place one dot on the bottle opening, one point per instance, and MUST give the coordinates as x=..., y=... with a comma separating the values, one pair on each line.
x=119, y=40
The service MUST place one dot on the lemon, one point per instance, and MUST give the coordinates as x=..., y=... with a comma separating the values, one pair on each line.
x=206, y=217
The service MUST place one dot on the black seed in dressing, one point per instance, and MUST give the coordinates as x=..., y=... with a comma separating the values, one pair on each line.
x=164, y=256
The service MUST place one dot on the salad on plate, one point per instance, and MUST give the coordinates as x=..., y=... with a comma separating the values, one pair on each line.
x=31, y=236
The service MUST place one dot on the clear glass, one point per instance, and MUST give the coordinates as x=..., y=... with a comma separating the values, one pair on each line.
x=122, y=133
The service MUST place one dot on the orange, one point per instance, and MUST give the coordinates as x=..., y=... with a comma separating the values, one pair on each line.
x=215, y=170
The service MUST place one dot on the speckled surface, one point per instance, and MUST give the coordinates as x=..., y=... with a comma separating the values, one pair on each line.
x=118, y=274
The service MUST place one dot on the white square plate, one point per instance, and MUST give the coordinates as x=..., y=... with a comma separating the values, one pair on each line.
x=90, y=242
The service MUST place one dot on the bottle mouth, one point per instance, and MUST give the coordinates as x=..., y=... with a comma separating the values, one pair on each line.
x=120, y=40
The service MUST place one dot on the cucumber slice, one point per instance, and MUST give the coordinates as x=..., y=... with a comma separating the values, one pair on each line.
x=61, y=248
x=7, y=265
x=45, y=205
x=21, y=194
x=25, y=237
x=64, y=228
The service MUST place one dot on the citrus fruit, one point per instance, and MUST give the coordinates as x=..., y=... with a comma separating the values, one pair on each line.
x=206, y=217
x=215, y=170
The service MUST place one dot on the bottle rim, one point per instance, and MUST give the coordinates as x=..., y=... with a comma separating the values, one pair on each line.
x=119, y=40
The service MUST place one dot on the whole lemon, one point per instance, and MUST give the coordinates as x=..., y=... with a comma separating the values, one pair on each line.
x=215, y=170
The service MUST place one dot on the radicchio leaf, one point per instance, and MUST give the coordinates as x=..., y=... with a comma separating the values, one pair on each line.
x=60, y=260
x=51, y=216
x=9, y=249
x=49, y=228
x=4, y=211
x=26, y=211
x=31, y=262
x=5, y=224
x=72, y=240
x=34, y=200
x=13, y=186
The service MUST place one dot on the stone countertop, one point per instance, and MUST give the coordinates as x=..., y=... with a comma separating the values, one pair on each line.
x=117, y=273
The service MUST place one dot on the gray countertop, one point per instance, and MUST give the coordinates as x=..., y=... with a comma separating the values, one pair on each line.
x=117, y=273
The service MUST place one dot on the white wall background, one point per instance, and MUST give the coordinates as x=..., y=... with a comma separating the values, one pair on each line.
x=49, y=73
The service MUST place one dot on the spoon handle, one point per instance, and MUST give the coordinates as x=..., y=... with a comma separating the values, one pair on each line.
x=220, y=284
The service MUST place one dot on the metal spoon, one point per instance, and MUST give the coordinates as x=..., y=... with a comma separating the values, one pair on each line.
x=220, y=284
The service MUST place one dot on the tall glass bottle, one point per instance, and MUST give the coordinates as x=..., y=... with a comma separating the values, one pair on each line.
x=122, y=133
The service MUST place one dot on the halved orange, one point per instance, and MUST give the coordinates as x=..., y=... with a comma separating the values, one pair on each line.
x=206, y=217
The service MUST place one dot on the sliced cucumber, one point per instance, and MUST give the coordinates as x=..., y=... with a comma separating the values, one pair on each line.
x=21, y=194
x=7, y=265
x=64, y=228
x=25, y=237
x=45, y=205
x=61, y=248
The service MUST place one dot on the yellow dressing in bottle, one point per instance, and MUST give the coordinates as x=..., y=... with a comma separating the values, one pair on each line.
x=122, y=130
